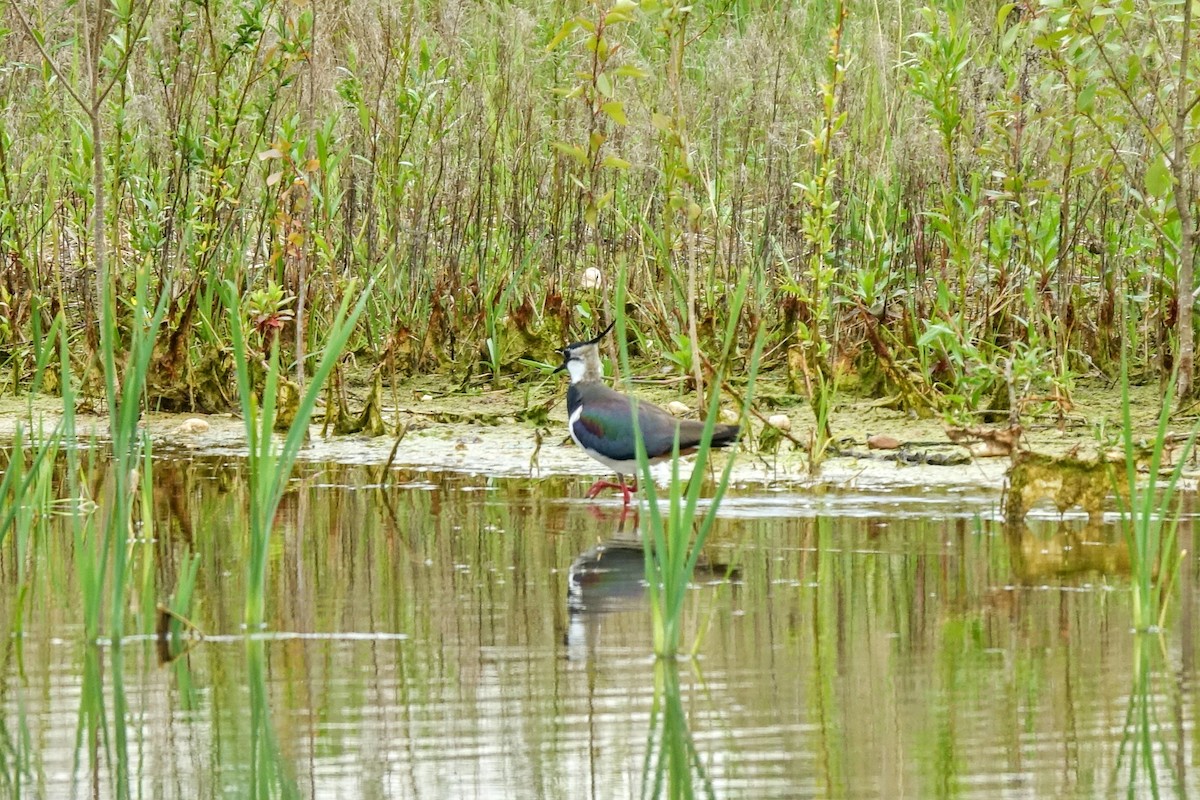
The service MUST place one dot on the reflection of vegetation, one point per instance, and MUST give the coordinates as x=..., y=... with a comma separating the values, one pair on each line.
x=1066, y=481
x=854, y=656
x=823, y=704
x=270, y=775
x=103, y=749
x=1066, y=552
x=672, y=767
x=1139, y=752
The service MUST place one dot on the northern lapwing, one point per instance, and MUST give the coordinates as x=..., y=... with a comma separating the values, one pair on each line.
x=600, y=420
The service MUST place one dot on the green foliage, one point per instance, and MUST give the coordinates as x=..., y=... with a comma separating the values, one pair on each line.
x=1014, y=178
x=595, y=85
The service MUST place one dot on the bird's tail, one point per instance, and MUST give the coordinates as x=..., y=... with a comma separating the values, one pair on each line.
x=725, y=435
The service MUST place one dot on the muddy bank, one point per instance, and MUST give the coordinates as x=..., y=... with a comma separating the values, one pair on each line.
x=524, y=434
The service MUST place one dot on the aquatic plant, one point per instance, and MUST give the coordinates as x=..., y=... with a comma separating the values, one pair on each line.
x=27, y=495
x=673, y=542
x=124, y=390
x=269, y=466
x=1150, y=520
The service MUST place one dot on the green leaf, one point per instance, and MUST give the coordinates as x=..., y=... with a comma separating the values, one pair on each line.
x=1010, y=38
x=631, y=71
x=563, y=32
x=604, y=84
x=935, y=332
x=616, y=110
x=573, y=150
x=615, y=162
x=1086, y=100
x=1158, y=177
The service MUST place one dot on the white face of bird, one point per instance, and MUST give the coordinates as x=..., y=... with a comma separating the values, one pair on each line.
x=582, y=362
x=582, y=359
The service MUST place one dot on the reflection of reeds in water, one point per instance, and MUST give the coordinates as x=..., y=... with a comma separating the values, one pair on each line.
x=672, y=767
x=1144, y=748
x=269, y=772
x=853, y=659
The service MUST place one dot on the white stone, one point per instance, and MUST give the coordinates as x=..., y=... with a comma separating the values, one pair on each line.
x=592, y=279
x=192, y=425
x=781, y=421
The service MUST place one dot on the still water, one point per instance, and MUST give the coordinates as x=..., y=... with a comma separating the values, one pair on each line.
x=440, y=635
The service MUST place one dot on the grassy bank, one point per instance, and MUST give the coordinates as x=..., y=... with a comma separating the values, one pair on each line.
x=957, y=206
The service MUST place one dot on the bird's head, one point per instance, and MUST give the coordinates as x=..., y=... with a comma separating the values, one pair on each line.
x=582, y=359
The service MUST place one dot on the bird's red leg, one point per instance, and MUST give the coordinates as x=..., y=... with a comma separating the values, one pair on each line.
x=628, y=491
x=600, y=486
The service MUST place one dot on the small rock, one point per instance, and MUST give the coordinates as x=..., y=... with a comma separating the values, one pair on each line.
x=192, y=425
x=781, y=421
x=881, y=441
x=592, y=279
x=728, y=416
x=678, y=409
x=425, y=398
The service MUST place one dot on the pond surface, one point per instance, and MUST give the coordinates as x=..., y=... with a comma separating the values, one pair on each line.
x=442, y=635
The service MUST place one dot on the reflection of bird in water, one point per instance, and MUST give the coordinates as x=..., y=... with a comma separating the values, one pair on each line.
x=611, y=577
x=608, y=577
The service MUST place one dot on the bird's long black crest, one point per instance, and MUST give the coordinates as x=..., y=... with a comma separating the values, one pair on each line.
x=603, y=333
